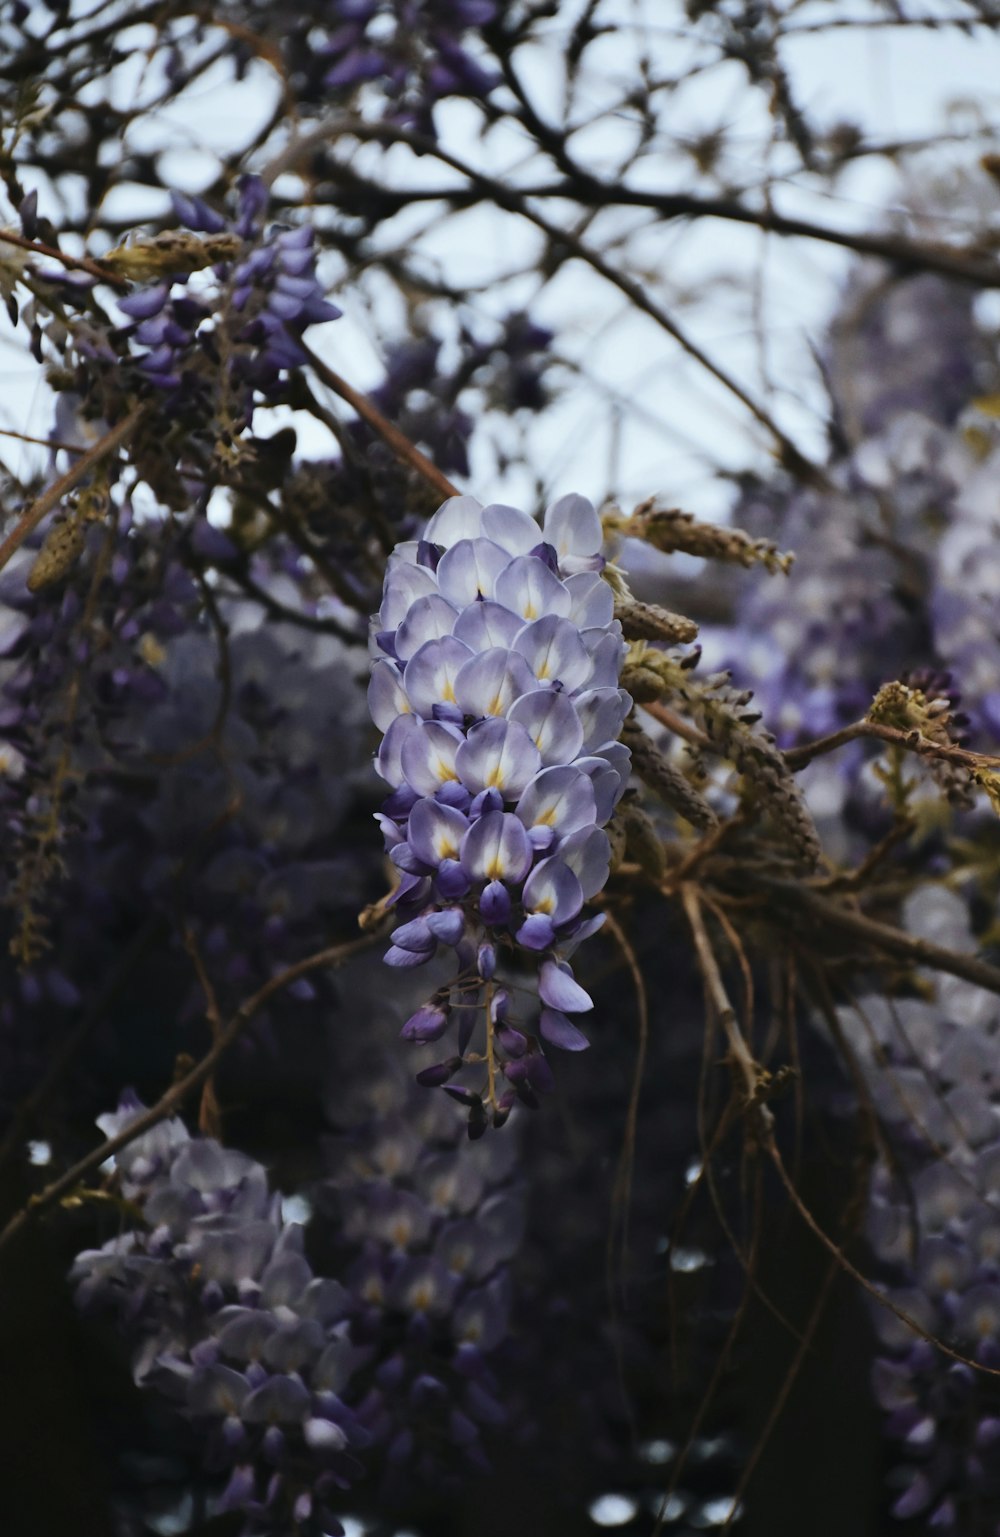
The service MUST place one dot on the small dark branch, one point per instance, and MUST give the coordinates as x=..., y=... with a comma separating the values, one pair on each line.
x=406, y=452
x=60, y=488
x=912, y=741
x=209, y=1113
x=180, y=1091
x=73, y=263
x=798, y=898
x=678, y=725
x=749, y=1071
x=30, y=1107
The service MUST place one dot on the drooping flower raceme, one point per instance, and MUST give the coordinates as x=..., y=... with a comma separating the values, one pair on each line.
x=231, y=1325
x=496, y=685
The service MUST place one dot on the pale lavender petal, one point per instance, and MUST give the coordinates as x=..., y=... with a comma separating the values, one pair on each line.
x=469, y=570
x=497, y=848
x=527, y=587
x=559, y=1031
x=555, y=652
x=553, y=889
x=460, y=517
x=404, y=584
x=572, y=526
x=388, y=762
x=489, y=683
x=483, y=625
x=552, y=723
x=497, y=754
x=617, y=755
x=561, y=798
x=512, y=529
x=429, y=675
x=404, y=554
x=217, y=1390
x=429, y=619
x=602, y=712
x=588, y=855
x=592, y=601
x=386, y=695
x=568, y=943
x=608, y=786
x=607, y=651
x=559, y=989
x=435, y=832
x=280, y=1398
x=428, y=755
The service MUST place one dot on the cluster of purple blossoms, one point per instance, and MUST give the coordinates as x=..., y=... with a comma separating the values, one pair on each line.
x=496, y=685
x=414, y=52
x=896, y=558
x=200, y=777
x=934, y=1227
x=229, y=1322
x=424, y=1228
x=248, y=325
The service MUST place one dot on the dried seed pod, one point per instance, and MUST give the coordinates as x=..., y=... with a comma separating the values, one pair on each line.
x=617, y=833
x=62, y=548
x=173, y=251
x=666, y=780
x=642, y=841
x=647, y=621
x=670, y=530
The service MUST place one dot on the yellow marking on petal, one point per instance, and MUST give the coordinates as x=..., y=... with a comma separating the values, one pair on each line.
x=495, y=868
x=543, y=671
x=546, y=905
x=530, y=611
x=448, y=692
x=444, y=770
x=495, y=706
x=494, y=779
x=447, y=849
x=547, y=818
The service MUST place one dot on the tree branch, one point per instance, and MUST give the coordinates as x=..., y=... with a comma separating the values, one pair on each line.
x=175, y=1096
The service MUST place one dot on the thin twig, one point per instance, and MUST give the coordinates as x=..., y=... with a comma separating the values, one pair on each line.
x=406, y=451
x=168, y=1103
x=739, y=1053
x=73, y=263
x=42, y=505
x=798, y=757
x=797, y=896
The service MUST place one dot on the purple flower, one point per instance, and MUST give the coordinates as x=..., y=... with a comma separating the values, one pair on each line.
x=495, y=683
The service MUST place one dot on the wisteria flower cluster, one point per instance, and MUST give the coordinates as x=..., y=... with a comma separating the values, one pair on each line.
x=425, y=1228
x=230, y=1323
x=496, y=685
x=208, y=350
x=934, y=1226
x=414, y=52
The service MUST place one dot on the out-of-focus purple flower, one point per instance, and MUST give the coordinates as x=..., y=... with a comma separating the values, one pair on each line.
x=228, y=1321
x=266, y=294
